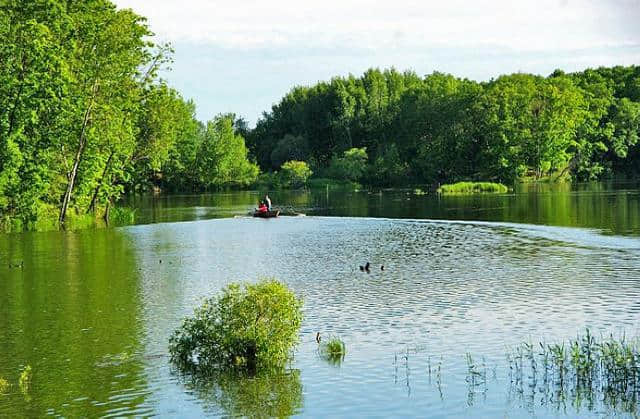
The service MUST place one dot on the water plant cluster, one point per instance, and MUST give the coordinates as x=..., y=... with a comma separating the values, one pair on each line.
x=332, y=350
x=586, y=369
x=473, y=187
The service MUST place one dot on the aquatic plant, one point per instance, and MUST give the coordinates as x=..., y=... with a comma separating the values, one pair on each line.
x=584, y=368
x=25, y=379
x=476, y=374
x=333, y=350
x=122, y=215
x=247, y=326
x=472, y=187
x=4, y=386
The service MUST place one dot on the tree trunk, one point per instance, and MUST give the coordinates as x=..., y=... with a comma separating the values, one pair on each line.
x=106, y=212
x=82, y=142
x=17, y=99
x=94, y=198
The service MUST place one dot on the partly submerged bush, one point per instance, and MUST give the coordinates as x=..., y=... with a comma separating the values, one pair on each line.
x=473, y=187
x=247, y=326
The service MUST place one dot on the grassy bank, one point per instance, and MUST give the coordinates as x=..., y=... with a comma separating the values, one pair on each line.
x=473, y=187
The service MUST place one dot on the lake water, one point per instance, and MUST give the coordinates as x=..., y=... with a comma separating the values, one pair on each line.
x=91, y=311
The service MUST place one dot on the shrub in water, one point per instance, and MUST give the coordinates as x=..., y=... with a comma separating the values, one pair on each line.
x=333, y=350
x=247, y=326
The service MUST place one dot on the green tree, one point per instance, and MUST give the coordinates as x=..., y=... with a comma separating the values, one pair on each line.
x=351, y=166
x=290, y=148
x=222, y=158
x=294, y=173
x=252, y=326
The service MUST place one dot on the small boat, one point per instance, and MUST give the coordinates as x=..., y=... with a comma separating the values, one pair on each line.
x=267, y=214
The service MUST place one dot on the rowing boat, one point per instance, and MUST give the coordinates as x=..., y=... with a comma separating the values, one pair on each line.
x=267, y=214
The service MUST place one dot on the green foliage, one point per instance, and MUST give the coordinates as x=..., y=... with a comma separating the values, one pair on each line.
x=122, y=216
x=268, y=180
x=389, y=168
x=440, y=128
x=333, y=350
x=473, y=187
x=248, y=326
x=351, y=166
x=290, y=148
x=232, y=166
x=294, y=174
x=84, y=117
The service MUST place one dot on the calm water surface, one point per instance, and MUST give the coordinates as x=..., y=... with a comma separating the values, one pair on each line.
x=92, y=311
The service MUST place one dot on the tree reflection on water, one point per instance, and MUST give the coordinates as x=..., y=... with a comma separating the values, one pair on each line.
x=265, y=394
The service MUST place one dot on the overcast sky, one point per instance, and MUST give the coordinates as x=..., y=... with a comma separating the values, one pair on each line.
x=242, y=56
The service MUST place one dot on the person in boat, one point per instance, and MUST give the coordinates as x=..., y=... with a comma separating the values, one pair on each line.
x=262, y=207
x=268, y=202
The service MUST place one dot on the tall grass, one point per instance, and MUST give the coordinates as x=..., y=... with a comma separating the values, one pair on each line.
x=473, y=187
x=122, y=216
x=585, y=368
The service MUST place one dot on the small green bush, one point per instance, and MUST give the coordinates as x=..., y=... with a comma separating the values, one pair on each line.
x=473, y=187
x=295, y=173
x=247, y=326
x=350, y=166
x=333, y=350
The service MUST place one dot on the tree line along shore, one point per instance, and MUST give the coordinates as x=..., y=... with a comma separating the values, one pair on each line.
x=85, y=118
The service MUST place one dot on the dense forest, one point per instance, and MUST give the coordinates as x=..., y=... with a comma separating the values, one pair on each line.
x=85, y=117
x=391, y=128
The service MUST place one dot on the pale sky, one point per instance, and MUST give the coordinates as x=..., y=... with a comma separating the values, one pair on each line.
x=242, y=56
